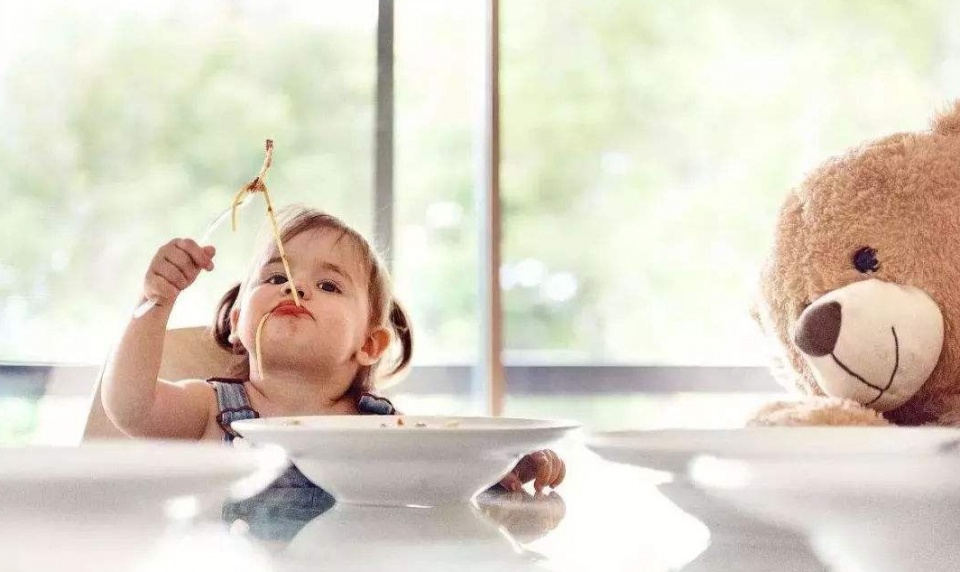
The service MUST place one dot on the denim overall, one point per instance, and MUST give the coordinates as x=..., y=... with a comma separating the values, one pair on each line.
x=233, y=404
x=292, y=500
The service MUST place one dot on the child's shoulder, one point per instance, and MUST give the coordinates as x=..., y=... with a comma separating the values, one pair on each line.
x=194, y=388
x=197, y=382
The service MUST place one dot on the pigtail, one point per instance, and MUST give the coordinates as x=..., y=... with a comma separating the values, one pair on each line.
x=400, y=324
x=221, y=324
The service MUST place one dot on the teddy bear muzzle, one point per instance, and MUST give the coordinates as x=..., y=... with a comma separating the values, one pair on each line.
x=872, y=341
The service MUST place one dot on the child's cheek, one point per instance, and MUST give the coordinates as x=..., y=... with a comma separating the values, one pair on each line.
x=336, y=326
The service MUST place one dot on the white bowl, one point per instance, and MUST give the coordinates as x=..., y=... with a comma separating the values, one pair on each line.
x=426, y=461
x=107, y=504
x=893, y=513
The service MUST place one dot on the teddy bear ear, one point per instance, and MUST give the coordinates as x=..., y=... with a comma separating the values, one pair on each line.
x=947, y=122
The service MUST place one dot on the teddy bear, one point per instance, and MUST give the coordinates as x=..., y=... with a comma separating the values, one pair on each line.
x=860, y=292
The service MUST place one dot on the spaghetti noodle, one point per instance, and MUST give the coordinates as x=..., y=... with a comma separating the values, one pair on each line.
x=257, y=185
x=263, y=321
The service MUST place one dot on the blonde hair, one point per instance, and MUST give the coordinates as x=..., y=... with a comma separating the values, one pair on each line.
x=385, y=310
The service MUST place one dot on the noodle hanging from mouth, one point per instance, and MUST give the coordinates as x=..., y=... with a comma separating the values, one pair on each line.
x=263, y=321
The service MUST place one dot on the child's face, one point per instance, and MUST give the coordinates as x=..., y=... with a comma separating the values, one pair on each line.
x=331, y=332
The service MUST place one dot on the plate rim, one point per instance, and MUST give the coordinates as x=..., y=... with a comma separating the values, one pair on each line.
x=269, y=424
x=227, y=462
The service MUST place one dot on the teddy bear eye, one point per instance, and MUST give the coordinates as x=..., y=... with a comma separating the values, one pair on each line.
x=865, y=260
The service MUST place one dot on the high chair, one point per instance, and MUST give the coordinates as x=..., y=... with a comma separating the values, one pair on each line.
x=188, y=353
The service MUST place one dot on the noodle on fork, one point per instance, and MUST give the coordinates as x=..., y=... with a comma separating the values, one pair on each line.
x=257, y=185
x=243, y=197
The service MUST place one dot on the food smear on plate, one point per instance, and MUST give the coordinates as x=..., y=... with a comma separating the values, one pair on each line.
x=401, y=423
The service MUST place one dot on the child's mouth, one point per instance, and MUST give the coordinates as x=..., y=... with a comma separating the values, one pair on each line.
x=288, y=308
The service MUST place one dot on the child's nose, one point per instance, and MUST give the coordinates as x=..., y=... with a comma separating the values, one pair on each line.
x=301, y=291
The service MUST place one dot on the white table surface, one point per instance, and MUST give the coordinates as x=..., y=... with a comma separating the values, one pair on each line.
x=605, y=516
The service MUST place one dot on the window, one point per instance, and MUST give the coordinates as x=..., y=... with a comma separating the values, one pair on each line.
x=439, y=53
x=646, y=147
x=125, y=126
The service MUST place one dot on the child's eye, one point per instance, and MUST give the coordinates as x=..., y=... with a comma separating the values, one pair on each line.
x=276, y=279
x=328, y=286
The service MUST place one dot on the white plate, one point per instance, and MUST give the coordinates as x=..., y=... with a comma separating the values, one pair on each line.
x=103, y=506
x=428, y=461
x=672, y=449
x=130, y=475
x=888, y=513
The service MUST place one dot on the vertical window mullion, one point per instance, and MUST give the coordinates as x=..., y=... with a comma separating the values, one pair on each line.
x=383, y=192
x=489, y=381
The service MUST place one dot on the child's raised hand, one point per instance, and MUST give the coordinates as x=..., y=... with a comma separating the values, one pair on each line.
x=544, y=468
x=174, y=267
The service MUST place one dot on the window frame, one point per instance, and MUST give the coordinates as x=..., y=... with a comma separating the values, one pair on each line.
x=489, y=380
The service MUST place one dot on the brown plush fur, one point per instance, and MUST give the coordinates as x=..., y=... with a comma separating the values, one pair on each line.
x=826, y=411
x=901, y=196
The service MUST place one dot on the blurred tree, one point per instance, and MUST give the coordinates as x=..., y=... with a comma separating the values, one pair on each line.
x=123, y=132
x=646, y=147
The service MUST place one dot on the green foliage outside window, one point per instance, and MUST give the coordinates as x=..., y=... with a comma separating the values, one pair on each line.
x=646, y=146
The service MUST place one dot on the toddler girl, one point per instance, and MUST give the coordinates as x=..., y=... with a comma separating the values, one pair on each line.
x=314, y=343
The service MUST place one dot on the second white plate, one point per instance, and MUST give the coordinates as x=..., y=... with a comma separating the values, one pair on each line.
x=672, y=449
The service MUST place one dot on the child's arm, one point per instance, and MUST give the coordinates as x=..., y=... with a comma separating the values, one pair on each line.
x=134, y=399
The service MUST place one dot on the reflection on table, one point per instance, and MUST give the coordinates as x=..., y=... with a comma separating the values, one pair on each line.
x=605, y=516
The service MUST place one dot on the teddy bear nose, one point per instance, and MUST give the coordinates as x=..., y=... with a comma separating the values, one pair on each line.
x=818, y=329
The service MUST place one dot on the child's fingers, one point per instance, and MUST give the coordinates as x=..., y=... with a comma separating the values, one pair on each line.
x=561, y=474
x=547, y=468
x=184, y=257
x=182, y=261
x=526, y=468
x=170, y=253
x=554, y=464
x=210, y=251
x=556, y=468
x=171, y=273
x=544, y=470
x=175, y=267
x=201, y=257
x=511, y=482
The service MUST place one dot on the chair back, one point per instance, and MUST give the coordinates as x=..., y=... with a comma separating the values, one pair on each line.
x=188, y=353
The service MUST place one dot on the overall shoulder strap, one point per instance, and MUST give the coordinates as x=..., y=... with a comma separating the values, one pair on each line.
x=370, y=404
x=232, y=403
